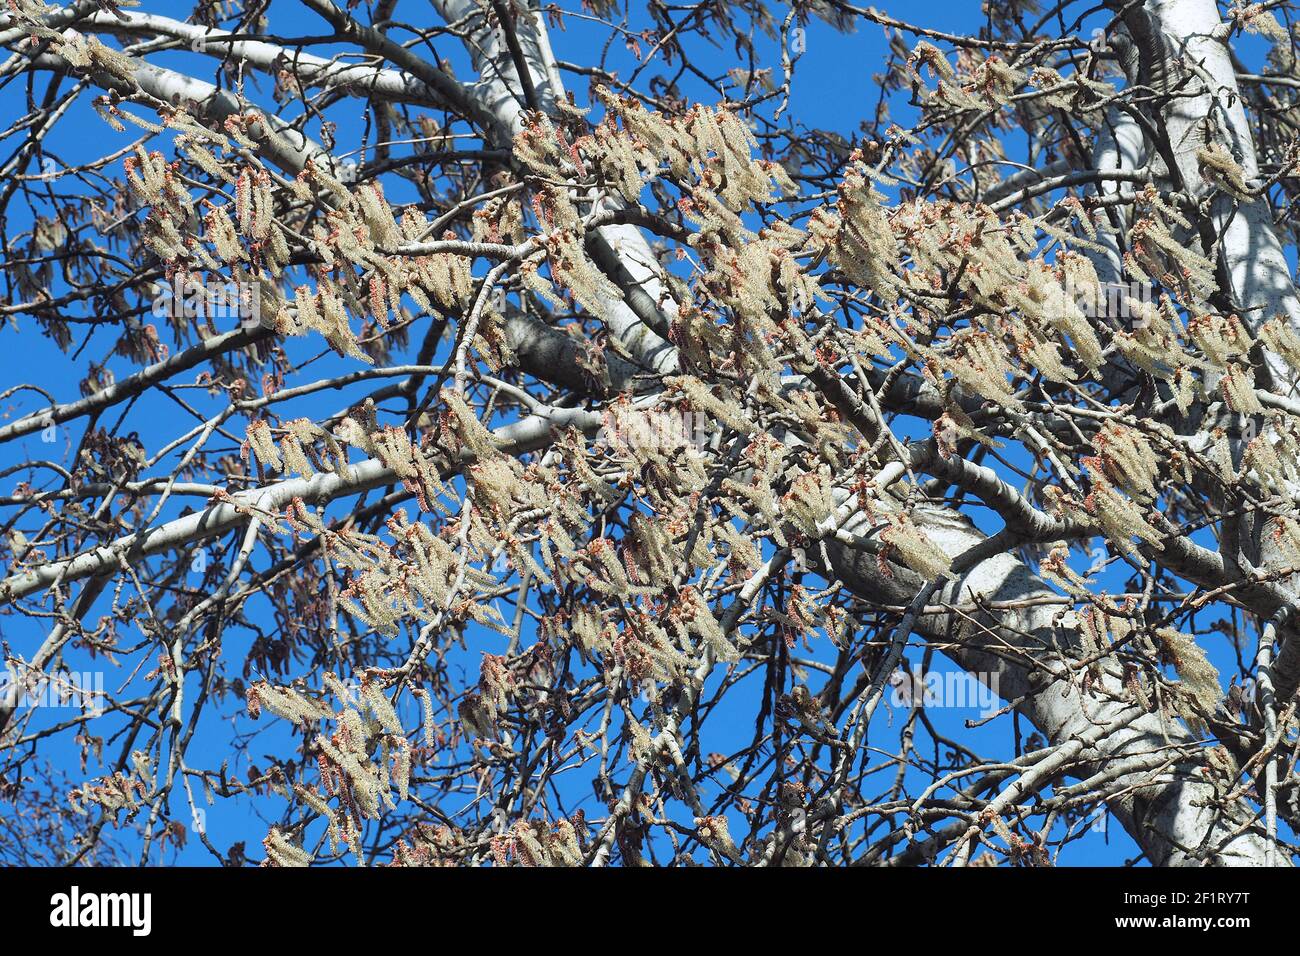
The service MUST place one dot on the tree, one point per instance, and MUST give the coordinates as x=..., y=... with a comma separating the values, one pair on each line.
x=505, y=459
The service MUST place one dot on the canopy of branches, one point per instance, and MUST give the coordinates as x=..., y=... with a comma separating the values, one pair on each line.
x=520, y=433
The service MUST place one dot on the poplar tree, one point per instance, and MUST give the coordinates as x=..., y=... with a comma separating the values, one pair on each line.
x=510, y=433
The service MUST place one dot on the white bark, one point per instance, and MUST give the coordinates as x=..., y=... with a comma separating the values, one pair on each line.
x=1261, y=282
x=310, y=70
x=516, y=438
x=498, y=91
x=1173, y=819
x=1252, y=254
